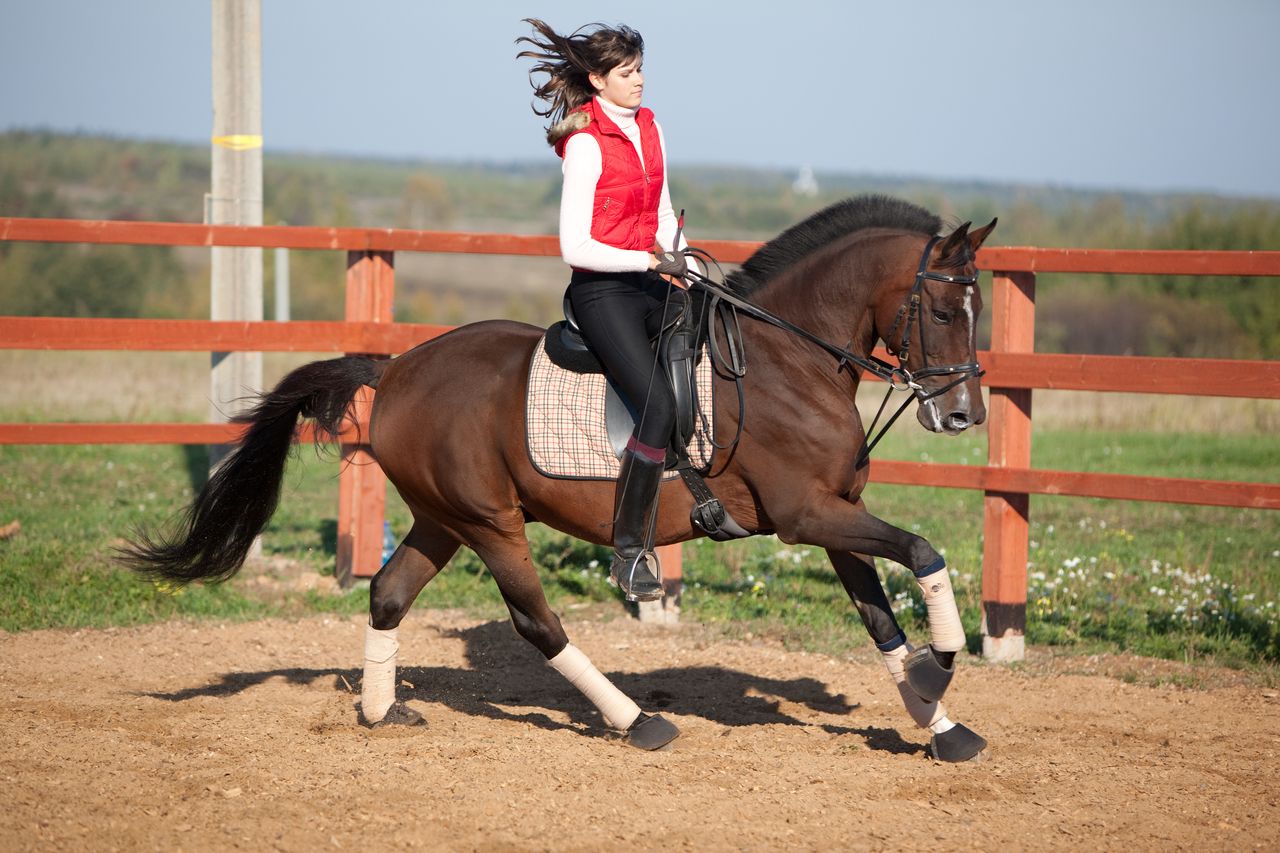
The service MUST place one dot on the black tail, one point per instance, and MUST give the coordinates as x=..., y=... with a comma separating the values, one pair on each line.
x=235, y=505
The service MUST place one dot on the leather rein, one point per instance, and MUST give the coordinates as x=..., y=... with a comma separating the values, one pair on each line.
x=899, y=378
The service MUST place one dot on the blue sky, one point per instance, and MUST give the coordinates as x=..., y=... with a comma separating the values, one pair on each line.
x=1129, y=94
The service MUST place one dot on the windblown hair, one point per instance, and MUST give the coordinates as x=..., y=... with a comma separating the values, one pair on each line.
x=569, y=60
x=827, y=226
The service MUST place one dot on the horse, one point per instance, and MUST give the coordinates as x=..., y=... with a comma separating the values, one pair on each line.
x=447, y=428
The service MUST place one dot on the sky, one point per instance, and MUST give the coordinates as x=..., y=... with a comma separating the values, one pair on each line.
x=1146, y=95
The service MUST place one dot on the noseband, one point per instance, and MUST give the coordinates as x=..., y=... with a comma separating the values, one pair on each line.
x=899, y=378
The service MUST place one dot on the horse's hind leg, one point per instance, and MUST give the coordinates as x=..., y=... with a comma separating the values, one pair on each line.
x=420, y=557
x=507, y=556
x=950, y=741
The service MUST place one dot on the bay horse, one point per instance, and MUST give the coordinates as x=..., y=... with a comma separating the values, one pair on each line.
x=448, y=429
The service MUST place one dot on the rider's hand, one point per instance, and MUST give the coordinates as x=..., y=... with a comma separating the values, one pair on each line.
x=670, y=263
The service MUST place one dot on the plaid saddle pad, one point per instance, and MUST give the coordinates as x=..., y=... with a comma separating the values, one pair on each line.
x=565, y=421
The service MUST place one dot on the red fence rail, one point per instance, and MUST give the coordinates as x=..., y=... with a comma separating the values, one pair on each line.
x=1013, y=370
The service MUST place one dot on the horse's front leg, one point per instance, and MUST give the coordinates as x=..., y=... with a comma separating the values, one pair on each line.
x=848, y=531
x=839, y=525
x=950, y=741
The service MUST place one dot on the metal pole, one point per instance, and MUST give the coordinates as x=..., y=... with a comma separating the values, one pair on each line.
x=282, y=285
x=236, y=198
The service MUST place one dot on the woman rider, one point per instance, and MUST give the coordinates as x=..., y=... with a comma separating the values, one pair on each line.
x=614, y=205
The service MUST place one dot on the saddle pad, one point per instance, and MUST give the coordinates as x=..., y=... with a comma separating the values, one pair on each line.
x=565, y=422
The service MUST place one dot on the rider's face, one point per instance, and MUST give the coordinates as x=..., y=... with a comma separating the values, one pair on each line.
x=623, y=85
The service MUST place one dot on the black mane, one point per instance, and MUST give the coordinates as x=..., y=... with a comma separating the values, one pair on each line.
x=825, y=226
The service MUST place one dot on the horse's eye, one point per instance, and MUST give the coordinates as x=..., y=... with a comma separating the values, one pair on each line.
x=942, y=317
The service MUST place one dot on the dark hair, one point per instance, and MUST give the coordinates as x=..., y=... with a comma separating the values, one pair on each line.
x=826, y=226
x=569, y=60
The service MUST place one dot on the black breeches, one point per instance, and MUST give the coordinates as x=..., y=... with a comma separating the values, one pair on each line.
x=618, y=314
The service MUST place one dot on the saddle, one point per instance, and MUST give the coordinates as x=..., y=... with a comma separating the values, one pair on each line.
x=678, y=353
x=679, y=348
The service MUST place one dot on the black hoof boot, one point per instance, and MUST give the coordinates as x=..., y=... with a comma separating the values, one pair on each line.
x=957, y=744
x=636, y=577
x=651, y=732
x=398, y=714
x=926, y=675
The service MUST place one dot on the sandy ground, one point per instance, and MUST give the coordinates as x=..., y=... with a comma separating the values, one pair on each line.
x=208, y=736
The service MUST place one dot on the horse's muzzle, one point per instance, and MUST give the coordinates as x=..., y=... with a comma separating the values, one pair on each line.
x=953, y=412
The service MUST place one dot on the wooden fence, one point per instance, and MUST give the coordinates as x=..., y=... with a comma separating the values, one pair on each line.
x=1013, y=370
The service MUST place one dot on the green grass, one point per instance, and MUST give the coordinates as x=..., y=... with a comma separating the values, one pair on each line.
x=1168, y=580
x=1174, y=581
x=76, y=505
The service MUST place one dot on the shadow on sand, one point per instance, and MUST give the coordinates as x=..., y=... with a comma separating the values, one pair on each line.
x=508, y=680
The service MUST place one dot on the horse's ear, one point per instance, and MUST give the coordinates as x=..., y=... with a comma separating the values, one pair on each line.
x=977, y=238
x=954, y=241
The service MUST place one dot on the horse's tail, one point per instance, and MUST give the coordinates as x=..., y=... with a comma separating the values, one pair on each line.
x=219, y=527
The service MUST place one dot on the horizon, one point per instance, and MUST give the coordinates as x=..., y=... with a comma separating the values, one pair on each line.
x=531, y=163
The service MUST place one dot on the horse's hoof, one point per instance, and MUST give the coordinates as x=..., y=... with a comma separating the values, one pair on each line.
x=927, y=677
x=399, y=714
x=957, y=744
x=651, y=732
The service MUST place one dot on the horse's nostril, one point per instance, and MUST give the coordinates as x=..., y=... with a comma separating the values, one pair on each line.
x=959, y=420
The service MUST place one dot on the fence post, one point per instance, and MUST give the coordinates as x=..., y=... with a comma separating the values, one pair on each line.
x=362, y=487
x=666, y=611
x=1005, y=523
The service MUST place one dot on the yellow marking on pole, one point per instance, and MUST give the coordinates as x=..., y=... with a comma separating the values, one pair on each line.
x=239, y=141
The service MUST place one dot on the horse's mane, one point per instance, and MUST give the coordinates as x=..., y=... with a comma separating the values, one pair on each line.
x=826, y=226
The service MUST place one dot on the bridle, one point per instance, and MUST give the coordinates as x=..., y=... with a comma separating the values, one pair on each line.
x=899, y=378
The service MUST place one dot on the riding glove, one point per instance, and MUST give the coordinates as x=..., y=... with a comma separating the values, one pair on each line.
x=672, y=264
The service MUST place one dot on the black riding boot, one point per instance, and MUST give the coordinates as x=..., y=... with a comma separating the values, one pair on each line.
x=635, y=502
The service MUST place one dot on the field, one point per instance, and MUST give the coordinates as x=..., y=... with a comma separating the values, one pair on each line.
x=1180, y=582
x=141, y=716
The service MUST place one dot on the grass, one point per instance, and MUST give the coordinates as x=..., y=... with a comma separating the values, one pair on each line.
x=1173, y=581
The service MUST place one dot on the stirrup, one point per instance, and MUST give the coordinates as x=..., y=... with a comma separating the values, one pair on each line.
x=624, y=573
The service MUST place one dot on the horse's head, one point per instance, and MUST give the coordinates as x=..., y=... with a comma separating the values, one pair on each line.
x=932, y=327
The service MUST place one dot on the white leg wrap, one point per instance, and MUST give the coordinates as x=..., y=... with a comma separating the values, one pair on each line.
x=946, y=634
x=378, y=688
x=616, y=707
x=925, y=714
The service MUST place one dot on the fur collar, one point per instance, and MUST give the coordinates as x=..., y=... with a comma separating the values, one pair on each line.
x=569, y=125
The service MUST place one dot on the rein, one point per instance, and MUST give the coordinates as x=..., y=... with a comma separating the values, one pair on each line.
x=898, y=378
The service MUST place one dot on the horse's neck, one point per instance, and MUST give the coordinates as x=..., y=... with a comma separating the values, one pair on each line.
x=821, y=296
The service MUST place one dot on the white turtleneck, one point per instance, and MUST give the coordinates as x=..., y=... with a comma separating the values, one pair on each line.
x=582, y=167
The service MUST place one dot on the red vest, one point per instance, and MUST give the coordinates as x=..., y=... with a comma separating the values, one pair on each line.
x=625, y=213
